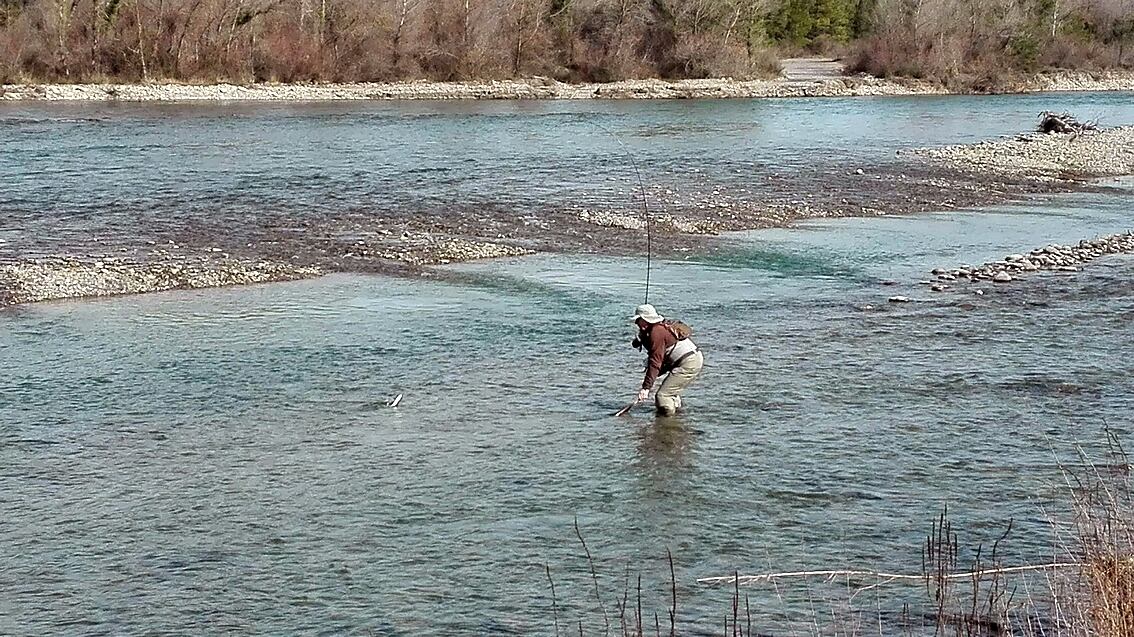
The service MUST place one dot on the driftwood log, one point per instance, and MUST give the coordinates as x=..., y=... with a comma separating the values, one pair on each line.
x=1063, y=123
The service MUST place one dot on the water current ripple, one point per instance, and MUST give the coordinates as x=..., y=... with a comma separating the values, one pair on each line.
x=222, y=461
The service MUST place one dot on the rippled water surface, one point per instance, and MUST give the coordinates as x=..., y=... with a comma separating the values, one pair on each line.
x=221, y=461
x=75, y=171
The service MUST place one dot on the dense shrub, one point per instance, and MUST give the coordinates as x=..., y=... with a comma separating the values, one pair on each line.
x=948, y=41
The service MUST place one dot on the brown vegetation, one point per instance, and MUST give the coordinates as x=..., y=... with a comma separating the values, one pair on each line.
x=1104, y=507
x=373, y=40
x=960, y=43
x=980, y=45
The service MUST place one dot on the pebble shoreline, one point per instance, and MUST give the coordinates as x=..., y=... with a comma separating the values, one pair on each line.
x=530, y=89
x=62, y=278
x=608, y=219
x=1044, y=157
x=539, y=88
x=424, y=249
x=1048, y=158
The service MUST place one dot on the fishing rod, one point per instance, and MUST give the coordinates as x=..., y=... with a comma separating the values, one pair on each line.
x=649, y=230
x=645, y=205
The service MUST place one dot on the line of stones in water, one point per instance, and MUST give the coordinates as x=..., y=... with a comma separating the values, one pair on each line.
x=1051, y=258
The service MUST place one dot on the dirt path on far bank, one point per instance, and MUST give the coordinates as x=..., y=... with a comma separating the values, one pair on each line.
x=812, y=69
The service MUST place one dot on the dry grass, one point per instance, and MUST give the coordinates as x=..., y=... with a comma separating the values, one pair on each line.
x=1104, y=520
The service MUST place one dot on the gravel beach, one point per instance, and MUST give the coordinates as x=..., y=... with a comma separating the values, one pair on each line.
x=1045, y=157
x=63, y=277
x=542, y=88
x=530, y=89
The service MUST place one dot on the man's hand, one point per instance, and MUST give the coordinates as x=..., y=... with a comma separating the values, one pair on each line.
x=643, y=395
x=636, y=344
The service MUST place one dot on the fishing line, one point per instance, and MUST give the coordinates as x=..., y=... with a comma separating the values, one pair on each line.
x=645, y=205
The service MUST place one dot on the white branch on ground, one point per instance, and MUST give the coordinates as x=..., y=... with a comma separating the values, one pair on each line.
x=831, y=575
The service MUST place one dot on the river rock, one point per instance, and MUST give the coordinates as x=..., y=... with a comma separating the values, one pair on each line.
x=1055, y=258
x=1044, y=158
x=30, y=281
x=529, y=88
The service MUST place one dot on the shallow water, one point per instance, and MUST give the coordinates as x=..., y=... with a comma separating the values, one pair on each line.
x=117, y=172
x=221, y=460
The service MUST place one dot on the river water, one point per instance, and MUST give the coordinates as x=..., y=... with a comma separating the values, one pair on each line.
x=79, y=177
x=221, y=461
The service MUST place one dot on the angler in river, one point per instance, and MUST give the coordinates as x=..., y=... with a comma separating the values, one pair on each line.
x=670, y=351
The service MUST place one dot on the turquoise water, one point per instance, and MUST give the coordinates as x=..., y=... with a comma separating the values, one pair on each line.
x=221, y=461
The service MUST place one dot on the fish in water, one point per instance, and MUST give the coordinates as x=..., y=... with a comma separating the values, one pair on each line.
x=395, y=401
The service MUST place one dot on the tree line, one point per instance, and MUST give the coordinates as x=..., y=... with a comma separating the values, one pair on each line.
x=570, y=40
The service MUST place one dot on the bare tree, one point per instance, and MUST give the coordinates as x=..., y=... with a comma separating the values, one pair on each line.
x=403, y=15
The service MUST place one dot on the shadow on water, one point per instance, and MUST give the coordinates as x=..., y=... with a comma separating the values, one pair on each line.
x=666, y=443
x=781, y=263
x=518, y=286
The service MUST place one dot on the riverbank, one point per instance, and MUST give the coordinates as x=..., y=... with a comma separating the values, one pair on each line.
x=56, y=278
x=540, y=88
x=529, y=89
x=1044, y=157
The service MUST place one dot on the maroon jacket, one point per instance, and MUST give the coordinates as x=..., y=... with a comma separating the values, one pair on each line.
x=657, y=339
